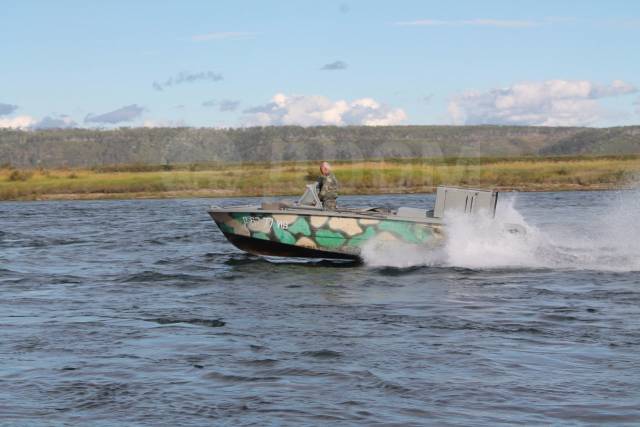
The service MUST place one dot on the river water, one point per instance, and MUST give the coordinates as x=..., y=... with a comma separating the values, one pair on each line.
x=140, y=313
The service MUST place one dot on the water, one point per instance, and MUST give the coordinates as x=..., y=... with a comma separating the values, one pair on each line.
x=140, y=313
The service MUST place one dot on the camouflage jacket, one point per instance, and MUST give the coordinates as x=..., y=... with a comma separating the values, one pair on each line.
x=327, y=187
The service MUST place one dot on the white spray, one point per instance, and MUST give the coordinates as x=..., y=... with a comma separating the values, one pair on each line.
x=608, y=242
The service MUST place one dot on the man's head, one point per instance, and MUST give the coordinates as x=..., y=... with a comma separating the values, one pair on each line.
x=325, y=168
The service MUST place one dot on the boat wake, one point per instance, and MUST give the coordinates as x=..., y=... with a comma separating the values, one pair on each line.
x=597, y=242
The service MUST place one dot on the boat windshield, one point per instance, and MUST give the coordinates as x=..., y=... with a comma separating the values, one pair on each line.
x=310, y=197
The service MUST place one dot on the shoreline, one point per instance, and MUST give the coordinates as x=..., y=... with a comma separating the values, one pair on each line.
x=288, y=179
x=213, y=194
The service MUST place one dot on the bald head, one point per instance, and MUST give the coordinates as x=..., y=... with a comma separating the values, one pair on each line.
x=325, y=168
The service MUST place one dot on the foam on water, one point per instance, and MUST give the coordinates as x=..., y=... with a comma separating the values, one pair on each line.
x=606, y=239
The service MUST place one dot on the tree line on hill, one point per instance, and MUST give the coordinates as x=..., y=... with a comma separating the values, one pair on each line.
x=168, y=146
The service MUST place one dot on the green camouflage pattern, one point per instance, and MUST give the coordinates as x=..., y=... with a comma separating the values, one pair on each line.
x=322, y=232
x=328, y=190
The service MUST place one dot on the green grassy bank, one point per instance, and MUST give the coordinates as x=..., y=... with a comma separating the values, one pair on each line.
x=362, y=177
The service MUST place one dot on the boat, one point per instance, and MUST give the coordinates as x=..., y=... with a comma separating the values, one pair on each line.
x=304, y=229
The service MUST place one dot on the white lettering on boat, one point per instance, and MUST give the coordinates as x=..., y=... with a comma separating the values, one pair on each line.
x=267, y=223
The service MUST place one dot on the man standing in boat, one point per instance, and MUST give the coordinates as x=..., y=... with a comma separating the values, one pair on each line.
x=327, y=187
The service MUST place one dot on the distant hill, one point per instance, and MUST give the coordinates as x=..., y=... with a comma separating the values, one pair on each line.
x=85, y=148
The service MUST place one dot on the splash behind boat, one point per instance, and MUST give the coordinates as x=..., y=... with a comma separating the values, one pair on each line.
x=304, y=229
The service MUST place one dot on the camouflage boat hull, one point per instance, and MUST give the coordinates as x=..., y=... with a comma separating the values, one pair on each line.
x=319, y=234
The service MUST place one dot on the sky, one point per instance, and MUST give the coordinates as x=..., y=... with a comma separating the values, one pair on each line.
x=262, y=63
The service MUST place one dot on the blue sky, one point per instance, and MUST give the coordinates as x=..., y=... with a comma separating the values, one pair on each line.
x=241, y=63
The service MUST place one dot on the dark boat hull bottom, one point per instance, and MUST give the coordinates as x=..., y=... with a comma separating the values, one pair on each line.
x=270, y=248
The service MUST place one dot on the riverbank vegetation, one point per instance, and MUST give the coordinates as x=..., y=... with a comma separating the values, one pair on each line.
x=85, y=148
x=288, y=178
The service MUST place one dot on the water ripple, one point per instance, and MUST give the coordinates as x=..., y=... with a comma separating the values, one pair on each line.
x=140, y=313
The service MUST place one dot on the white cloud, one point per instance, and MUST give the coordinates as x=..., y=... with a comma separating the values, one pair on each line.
x=500, y=23
x=7, y=109
x=60, y=121
x=127, y=113
x=188, y=77
x=53, y=121
x=223, y=35
x=316, y=110
x=337, y=65
x=19, y=122
x=547, y=103
x=637, y=105
x=223, y=105
x=617, y=87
